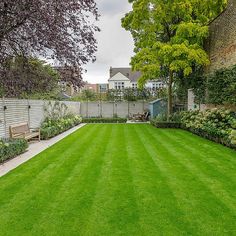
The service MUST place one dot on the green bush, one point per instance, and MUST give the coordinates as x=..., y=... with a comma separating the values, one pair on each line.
x=165, y=124
x=216, y=124
x=52, y=127
x=104, y=120
x=233, y=137
x=12, y=148
x=161, y=121
x=221, y=86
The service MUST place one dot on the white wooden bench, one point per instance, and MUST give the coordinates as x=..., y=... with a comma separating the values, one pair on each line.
x=22, y=130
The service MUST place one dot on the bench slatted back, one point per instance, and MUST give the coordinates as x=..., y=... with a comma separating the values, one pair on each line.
x=19, y=128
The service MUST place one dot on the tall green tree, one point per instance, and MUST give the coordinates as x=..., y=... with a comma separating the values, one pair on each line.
x=169, y=37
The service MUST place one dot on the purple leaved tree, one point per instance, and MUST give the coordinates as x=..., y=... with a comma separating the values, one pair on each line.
x=57, y=29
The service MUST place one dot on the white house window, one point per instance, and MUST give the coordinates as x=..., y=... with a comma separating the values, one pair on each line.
x=157, y=85
x=103, y=88
x=119, y=85
x=134, y=85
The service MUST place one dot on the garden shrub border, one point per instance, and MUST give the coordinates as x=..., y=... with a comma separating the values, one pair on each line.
x=206, y=135
x=53, y=127
x=104, y=120
x=10, y=148
x=166, y=125
x=200, y=133
x=217, y=125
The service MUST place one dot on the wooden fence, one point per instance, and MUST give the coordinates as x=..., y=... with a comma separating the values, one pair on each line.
x=14, y=111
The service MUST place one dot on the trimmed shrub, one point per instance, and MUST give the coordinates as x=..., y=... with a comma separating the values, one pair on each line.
x=165, y=124
x=53, y=127
x=12, y=148
x=161, y=121
x=104, y=120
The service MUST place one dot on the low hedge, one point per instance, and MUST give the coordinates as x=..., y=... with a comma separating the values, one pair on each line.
x=52, y=127
x=165, y=124
x=104, y=120
x=12, y=148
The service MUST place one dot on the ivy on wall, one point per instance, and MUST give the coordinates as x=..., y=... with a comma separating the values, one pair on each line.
x=195, y=81
x=221, y=86
x=218, y=88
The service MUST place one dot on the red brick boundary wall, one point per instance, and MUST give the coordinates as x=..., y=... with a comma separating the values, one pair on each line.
x=221, y=45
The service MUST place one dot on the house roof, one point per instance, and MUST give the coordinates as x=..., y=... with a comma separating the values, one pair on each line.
x=133, y=76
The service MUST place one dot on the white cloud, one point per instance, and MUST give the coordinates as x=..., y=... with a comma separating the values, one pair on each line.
x=115, y=45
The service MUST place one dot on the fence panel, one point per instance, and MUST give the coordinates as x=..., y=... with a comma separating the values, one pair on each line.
x=107, y=109
x=16, y=111
x=31, y=111
x=73, y=107
x=110, y=109
x=36, y=111
x=121, y=109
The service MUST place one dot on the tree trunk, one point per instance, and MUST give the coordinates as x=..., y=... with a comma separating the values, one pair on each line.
x=170, y=100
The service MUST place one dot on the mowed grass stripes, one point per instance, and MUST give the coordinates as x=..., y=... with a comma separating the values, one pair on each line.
x=123, y=180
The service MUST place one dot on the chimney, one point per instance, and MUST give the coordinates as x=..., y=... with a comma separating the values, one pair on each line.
x=110, y=71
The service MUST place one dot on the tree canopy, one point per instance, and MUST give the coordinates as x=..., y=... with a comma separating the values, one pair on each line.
x=26, y=79
x=169, y=36
x=58, y=29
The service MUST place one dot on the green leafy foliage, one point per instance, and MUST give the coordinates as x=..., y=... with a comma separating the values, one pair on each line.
x=88, y=95
x=215, y=124
x=218, y=88
x=126, y=94
x=12, y=148
x=233, y=137
x=169, y=37
x=52, y=127
x=164, y=125
x=105, y=120
x=196, y=81
x=55, y=110
x=221, y=86
x=28, y=77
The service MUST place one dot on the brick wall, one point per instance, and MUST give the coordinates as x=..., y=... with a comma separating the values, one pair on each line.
x=221, y=45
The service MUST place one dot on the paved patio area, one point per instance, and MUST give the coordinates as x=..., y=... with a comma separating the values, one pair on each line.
x=33, y=150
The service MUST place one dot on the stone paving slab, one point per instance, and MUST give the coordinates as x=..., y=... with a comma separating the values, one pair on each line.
x=33, y=150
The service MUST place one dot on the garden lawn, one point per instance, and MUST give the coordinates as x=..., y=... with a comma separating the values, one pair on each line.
x=120, y=179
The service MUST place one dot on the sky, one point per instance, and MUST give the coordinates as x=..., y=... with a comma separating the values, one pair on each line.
x=115, y=45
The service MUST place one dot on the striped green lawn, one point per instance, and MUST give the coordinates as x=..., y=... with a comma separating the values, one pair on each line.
x=123, y=180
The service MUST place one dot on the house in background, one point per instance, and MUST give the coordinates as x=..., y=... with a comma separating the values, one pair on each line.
x=96, y=88
x=102, y=88
x=89, y=86
x=121, y=78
